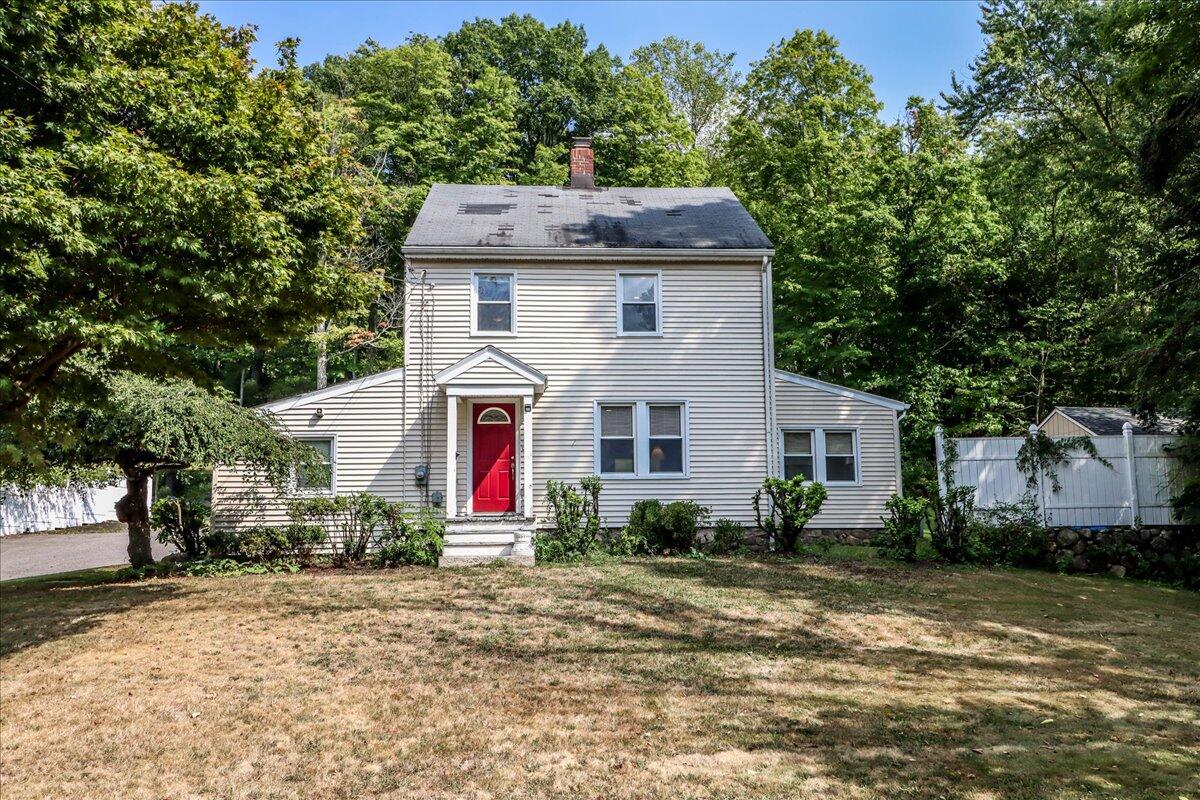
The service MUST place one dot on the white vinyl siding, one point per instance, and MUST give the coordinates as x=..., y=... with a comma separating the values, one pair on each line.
x=858, y=504
x=710, y=354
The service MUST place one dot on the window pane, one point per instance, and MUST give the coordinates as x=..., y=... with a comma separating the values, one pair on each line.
x=317, y=477
x=495, y=317
x=666, y=455
x=798, y=465
x=616, y=421
x=616, y=455
x=839, y=444
x=839, y=468
x=639, y=318
x=664, y=421
x=322, y=446
x=638, y=288
x=494, y=287
x=798, y=443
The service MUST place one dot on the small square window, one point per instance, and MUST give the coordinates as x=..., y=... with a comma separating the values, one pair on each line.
x=319, y=476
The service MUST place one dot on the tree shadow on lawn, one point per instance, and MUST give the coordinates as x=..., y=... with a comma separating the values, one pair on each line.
x=1046, y=713
x=37, y=611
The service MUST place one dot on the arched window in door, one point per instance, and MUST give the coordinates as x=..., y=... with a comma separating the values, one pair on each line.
x=494, y=416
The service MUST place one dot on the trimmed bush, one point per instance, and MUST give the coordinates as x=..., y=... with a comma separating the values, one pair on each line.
x=790, y=504
x=728, y=539
x=182, y=523
x=1011, y=534
x=265, y=543
x=902, y=527
x=408, y=539
x=666, y=529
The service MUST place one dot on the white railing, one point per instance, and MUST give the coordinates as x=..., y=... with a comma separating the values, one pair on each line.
x=1136, y=488
x=48, y=508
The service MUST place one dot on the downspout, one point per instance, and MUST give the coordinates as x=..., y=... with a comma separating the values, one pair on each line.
x=768, y=316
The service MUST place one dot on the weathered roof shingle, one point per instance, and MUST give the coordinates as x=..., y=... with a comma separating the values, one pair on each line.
x=456, y=215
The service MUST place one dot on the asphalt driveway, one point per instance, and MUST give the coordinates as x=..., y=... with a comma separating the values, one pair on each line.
x=28, y=554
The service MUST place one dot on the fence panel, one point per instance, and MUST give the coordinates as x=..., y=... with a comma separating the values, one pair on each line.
x=1090, y=493
x=48, y=508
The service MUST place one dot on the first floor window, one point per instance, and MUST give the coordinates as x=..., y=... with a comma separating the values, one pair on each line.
x=818, y=454
x=617, y=456
x=642, y=438
x=318, y=477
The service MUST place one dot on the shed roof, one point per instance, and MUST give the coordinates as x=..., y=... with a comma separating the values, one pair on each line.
x=459, y=215
x=1106, y=421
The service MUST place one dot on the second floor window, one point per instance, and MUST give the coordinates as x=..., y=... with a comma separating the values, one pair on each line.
x=495, y=302
x=639, y=296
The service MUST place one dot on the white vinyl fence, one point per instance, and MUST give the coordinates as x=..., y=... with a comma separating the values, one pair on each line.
x=1136, y=487
x=47, y=508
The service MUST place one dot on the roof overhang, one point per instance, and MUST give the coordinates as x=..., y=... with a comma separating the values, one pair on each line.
x=842, y=391
x=517, y=377
x=586, y=253
x=337, y=390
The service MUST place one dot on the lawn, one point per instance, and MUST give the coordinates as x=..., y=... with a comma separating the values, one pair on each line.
x=657, y=678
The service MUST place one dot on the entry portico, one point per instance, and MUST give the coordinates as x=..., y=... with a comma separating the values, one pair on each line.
x=493, y=385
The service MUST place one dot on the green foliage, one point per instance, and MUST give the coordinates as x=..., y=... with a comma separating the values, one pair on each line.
x=666, y=529
x=699, y=82
x=903, y=527
x=791, y=503
x=728, y=539
x=266, y=543
x=953, y=513
x=158, y=193
x=575, y=514
x=351, y=521
x=407, y=538
x=1011, y=534
x=181, y=523
x=208, y=568
x=1043, y=455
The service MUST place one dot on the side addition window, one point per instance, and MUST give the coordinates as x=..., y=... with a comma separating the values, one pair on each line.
x=798, y=454
x=639, y=311
x=495, y=302
x=318, y=477
x=840, y=457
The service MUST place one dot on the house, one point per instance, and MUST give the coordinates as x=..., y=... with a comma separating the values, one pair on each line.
x=1097, y=421
x=557, y=332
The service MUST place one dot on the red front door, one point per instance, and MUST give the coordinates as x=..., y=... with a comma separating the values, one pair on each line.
x=493, y=444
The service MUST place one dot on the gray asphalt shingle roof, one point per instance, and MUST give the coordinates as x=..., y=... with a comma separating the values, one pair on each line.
x=456, y=215
x=1110, y=421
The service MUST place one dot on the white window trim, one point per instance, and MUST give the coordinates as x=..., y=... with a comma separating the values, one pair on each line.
x=512, y=302
x=313, y=491
x=818, y=452
x=641, y=439
x=658, y=304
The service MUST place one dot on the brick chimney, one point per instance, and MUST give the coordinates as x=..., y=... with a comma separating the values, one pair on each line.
x=583, y=165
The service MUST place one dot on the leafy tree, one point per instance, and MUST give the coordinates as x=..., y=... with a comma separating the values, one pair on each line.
x=146, y=425
x=156, y=194
x=699, y=82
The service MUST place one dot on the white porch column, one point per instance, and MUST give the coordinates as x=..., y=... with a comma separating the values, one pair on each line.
x=527, y=452
x=451, y=455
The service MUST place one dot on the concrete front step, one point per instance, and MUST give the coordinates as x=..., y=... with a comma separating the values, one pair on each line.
x=482, y=540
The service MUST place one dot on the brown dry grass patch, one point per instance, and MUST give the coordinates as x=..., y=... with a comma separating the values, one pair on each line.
x=664, y=678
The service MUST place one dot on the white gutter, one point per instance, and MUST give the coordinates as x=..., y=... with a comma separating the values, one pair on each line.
x=588, y=253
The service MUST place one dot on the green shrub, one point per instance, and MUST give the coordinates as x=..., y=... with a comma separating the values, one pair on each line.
x=1011, y=534
x=408, y=538
x=791, y=503
x=902, y=527
x=265, y=543
x=728, y=539
x=953, y=512
x=666, y=529
x=575, y=514
x=182, y=523
x=351, y=521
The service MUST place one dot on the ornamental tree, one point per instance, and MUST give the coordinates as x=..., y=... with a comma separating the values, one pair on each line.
x=147, y=425
x=155, y=194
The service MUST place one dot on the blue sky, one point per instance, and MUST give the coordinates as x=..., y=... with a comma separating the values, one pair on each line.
x=909, y=47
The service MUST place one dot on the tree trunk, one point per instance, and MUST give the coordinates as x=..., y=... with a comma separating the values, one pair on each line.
x=322, y=356
x=132, y=510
